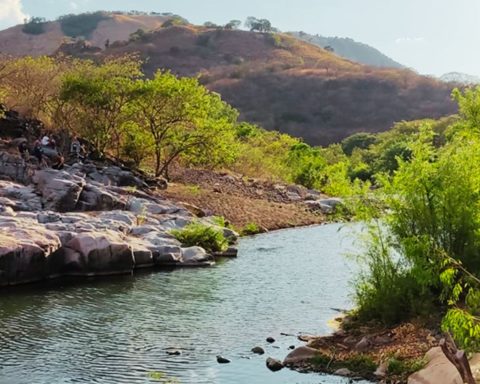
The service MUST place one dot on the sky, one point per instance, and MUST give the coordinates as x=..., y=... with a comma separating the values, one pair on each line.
x=430, y=36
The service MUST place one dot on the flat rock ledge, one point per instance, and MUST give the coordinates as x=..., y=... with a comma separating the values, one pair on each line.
x=82, y=221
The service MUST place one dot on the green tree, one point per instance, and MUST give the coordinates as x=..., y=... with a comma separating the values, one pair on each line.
x=233, y=24
x=100, y=95
x=183, y=119
x=259, y=25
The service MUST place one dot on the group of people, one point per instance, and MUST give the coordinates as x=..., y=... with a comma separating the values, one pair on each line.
x=46, y=152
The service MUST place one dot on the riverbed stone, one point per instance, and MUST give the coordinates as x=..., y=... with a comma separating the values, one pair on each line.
x=273, y=364
x=300, y=354
x=258, y=350
x=343, y=372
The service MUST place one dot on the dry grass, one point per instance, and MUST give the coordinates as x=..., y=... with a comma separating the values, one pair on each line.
x=241, y=210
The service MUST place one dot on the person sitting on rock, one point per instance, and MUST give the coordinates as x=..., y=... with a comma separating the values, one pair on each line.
x=45, y=141
x=76, y=150
x=38, y=153
x=24, y=152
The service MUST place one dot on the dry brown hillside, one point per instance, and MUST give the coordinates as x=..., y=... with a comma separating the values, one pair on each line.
x=276, y=80
x=14, y=42
x=284, y=84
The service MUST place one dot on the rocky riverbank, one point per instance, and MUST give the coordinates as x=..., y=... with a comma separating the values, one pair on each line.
x=408, y=353
x=83, y=221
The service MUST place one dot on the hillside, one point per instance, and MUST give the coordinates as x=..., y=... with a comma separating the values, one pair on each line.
x=285, y=84
x=113, y=27
x=274, y=80
x=351, y=50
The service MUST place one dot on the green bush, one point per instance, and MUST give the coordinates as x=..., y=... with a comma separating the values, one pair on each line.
x=197, y=234
x=250, y=229
x=81, y=25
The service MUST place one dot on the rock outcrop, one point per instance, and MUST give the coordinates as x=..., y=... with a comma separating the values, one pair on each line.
x=87, y=220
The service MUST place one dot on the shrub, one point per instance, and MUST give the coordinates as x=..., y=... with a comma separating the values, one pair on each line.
x=250, y=229
x=35, y=26
x=197, y=234
x=81, y=25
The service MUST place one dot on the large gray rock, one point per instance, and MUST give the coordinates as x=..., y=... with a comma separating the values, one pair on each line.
x=103, y=253
x=24, y=250
x=19, y=197
x=96, y=198
x=60, y=190
x=196, y=256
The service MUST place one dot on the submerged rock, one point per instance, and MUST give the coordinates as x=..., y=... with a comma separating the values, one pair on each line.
x=258, y=350
x=222, y=360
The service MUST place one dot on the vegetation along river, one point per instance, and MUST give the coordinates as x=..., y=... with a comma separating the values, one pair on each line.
x=120, y=330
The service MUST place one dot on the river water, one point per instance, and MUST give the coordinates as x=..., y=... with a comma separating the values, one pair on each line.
x=120, y=330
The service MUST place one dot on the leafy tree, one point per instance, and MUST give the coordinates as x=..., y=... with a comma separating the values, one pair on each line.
x=81, y=25
x=34, y=26
x=100, y=95
x=260, y=25
x=361, y=140
x=183, y=119
x=209, y=24
x=32, y=84
x=233, y=24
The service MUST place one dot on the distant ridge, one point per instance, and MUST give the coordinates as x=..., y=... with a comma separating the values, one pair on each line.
x=460, y=78
x=351, y=50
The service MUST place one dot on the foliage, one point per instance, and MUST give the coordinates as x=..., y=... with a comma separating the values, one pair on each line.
x=196, y=234
x=174, y=20
x=361, y=140
x=34, y=26
x=81, y=25
x=233, y=24
x=427, y=254
x=404, y=368
x=250, y=229
x=259, y=25
x=99, y=96
x=185, y=120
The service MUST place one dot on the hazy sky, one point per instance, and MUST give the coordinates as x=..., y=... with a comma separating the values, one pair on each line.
x=432, y=36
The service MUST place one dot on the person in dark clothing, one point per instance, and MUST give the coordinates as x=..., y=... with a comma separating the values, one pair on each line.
x=38, y=152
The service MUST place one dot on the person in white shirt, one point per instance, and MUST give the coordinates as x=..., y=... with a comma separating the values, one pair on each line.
x=45, y=141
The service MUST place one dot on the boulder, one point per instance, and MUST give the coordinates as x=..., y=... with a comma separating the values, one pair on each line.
x=19, y=197
x=343, y=372
x=95, y=198
x=439, y=370
x=196, y=256
x=60, y=190
x=104, y=253
x=222, y=360
x=24, y=250
x=258, y=350
x=274, y=364
x=300, y=354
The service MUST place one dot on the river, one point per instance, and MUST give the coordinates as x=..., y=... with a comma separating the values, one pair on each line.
x=119, y=330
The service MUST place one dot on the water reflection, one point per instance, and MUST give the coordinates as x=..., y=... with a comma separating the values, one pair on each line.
x=119, y=330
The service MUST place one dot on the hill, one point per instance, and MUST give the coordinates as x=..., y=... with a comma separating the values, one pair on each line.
x=460, y=78
x=285, y=84
x=351, y=50
x=275, y=80
x=111, y=26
